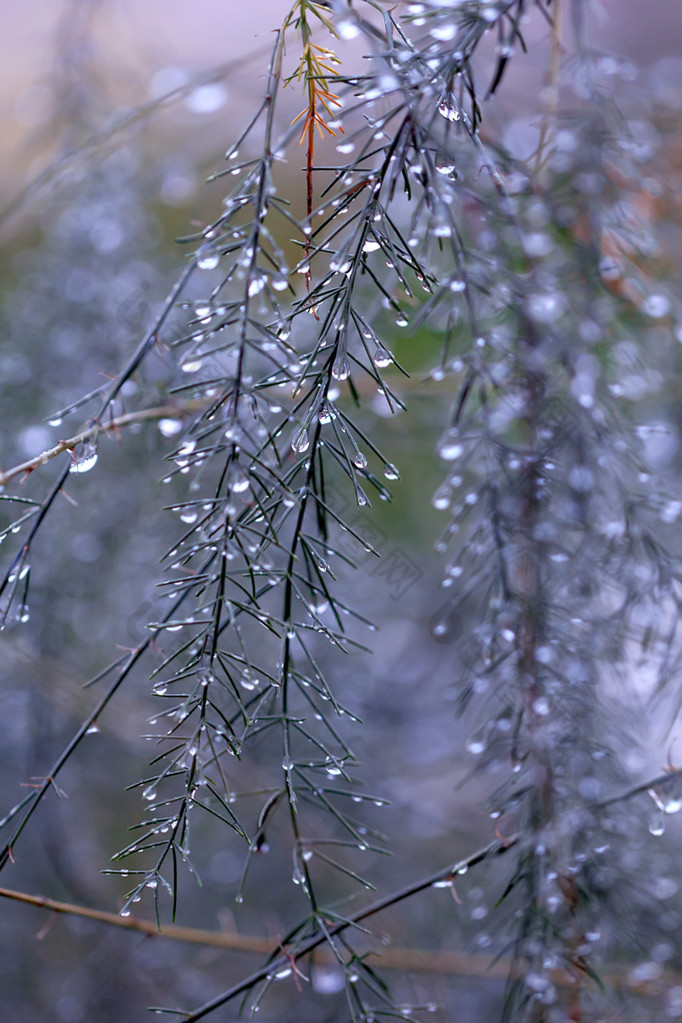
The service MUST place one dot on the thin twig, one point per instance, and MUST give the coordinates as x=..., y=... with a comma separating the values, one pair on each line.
x=92, y=431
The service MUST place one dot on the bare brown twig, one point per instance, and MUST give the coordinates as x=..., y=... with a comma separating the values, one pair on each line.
x=92, y=431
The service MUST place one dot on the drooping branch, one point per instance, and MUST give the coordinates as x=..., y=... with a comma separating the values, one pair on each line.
x=323, y=936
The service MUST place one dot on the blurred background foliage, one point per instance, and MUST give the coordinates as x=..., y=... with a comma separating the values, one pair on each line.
x=93, y=201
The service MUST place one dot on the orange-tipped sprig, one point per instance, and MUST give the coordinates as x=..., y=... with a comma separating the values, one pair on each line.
x=316, y=65
x=315, y=68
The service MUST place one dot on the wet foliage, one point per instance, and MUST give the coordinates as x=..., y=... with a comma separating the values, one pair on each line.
x=537, y=298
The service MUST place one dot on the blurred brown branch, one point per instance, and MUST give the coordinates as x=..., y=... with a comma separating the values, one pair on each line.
x=92, y=432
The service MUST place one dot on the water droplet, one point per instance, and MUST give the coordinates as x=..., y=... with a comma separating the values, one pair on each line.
x=247, y=681
x=360, y=460
x=391, y=471
x=191, y=364
x=475, y=746
x=444, y=166
x=450, y=447
x=84, y=457
x=382, y=357
x=240, y=482
x=671, y=511
x=340, y=264
x=256, y=286
x=546, y=307
x=444, y=31
x=57, y=421
x=656, y=306
x=208, y=261
x=341, y=369
x=657, y=825
x=300, y=442
x=449, y=111
x=287, y=764
x=347, y=29
x=541, y=706
x=371, y=245
x=668, y=802
x=169, y=427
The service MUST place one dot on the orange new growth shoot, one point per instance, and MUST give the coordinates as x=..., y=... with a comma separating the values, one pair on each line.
x=316, y=66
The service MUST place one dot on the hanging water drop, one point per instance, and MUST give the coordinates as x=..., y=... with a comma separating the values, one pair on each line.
x=169, y=427
x=326, y=414
x=441, y=498
x=445, y=167
x=657, y=825
x=256, y=285
x=450, y=447
x=341, y=369
x=240, y=482
x=347, y=29
x=382, y=357
x=449, y=111
x=84, y=457
x=208, y=261
x=668, y=802
x=191, y=365
x=300, y=442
